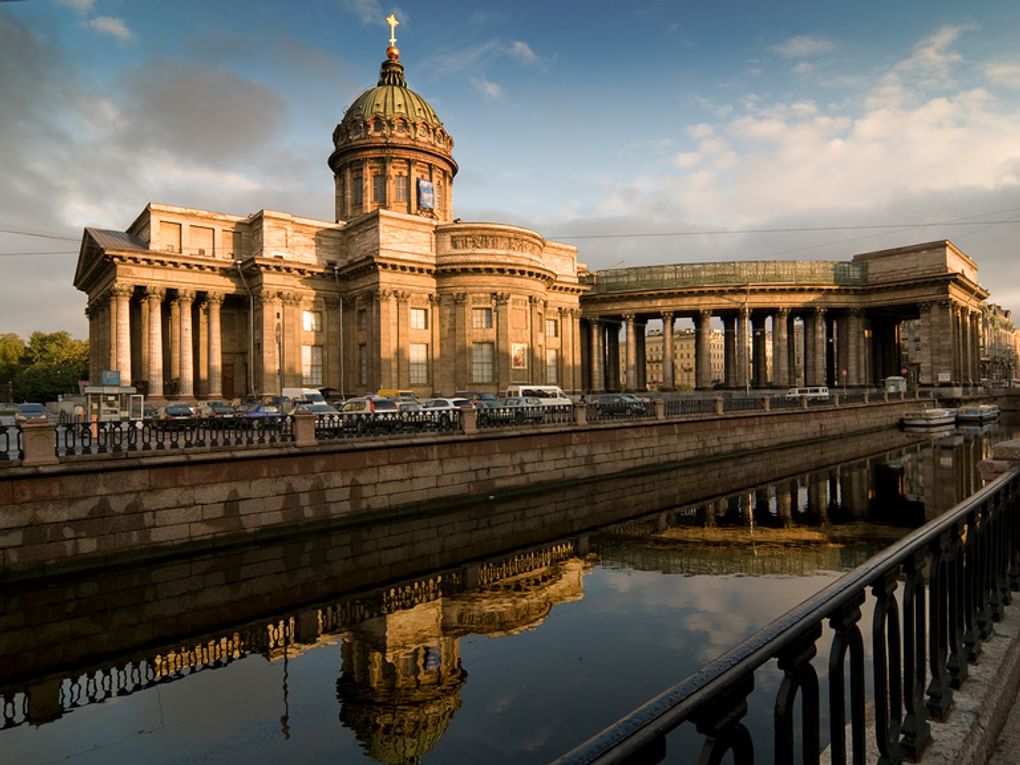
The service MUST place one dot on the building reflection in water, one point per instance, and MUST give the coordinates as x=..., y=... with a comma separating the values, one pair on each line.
x=401, y=673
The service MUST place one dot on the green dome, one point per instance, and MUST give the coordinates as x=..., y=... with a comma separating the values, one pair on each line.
x=392, y=98
x=391, y=114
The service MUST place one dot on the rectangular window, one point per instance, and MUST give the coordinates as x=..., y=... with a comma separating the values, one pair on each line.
x=481, y=318
x=357, y=190
x=362, y=319
x=169, y=236
x=201, y=240
x=552, y=328
x=363, y=364
x=379, y=189
x=552, y=365
x=312, y=321
x=419, y=356
x=400, y=188
x=419, y=318
x=311, y=364
x=482, y=358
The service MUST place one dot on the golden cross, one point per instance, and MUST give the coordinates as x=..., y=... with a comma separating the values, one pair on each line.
x=392, y=21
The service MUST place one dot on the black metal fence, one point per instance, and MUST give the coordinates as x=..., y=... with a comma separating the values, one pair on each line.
x=78, y=437
x=933, y=598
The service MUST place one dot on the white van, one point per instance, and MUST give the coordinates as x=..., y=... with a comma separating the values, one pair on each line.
x=549, y=395
x=816, y=391
x=309, y=395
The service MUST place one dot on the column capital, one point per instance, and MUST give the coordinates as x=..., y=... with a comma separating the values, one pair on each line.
x=214, y=298
x=501, y=298
x=155, y=293
x=627, y=316
x=401, y=296
x=433, y=298
x=705, y=313
x=185, y=296
x=122, y=290
x=667, y=316
x=781, y=313
x=819, y=311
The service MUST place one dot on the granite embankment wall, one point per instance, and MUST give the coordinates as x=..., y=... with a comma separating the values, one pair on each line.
x=91, y=513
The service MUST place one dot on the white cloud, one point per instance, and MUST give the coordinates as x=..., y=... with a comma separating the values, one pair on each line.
x=487, y=88
x=113, y=26
x=687, y=159
x=701, y=130
x=521, y=50
x=803, y=45
x=1004, y=73
x=933, y=59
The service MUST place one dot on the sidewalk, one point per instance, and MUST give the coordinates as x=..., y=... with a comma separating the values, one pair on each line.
x=984, y=725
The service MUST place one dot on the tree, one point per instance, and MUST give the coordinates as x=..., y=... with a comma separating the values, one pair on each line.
x=50, y=365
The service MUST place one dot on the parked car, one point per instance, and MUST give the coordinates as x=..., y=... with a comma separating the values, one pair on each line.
x=476, y=397
x=443, y=412
x=31, y=413
x=217, y=410
x=315, y=407
x=174, y=416
x=524, y=408
x=617, y=405
x=370, y=414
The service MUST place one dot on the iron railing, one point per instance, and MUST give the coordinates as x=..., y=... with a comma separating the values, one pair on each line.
x=934, y=596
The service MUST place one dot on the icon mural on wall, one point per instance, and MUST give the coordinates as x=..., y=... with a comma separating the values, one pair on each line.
x=519, y=356
x=426, y=195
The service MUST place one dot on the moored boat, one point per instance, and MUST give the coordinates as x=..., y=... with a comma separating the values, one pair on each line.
x=929, y=419
x=977, y=413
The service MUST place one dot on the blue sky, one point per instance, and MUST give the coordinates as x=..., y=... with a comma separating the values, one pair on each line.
x=611, y=126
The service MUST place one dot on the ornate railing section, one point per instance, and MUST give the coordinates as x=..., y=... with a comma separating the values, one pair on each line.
x=77, y=438
x=83, y=437
x=934, y=596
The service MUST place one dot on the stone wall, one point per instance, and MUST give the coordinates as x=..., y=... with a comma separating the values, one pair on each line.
x=92, y=513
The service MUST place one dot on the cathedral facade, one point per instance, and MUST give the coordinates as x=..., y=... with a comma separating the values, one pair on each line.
x=395, y=293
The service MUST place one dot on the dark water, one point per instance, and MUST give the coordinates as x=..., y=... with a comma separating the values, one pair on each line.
x=509, y=659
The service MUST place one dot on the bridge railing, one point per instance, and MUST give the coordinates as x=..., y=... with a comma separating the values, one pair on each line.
x=933, y=598
x=79, y=438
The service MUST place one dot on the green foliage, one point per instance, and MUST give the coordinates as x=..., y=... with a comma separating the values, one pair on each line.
x=50, y=364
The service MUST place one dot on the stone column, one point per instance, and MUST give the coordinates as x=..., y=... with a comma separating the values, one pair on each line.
x=174, y=337
x=598, y=356
x=780, y=351
x=154, y=304
x=185, y=299
x=816, y=337
x=613, y=356
x=143, y=332
x=202, y=372
x=668, y=368
x=730, y=351
x=703, y=350
x=215, y=301
x=759, y=376
x=642, y=359
x=631, y=340
x=854, y=346
x=740, y=340
x=402, y=365
x=92, y=313
x=536, y=331
x=122, y=330
x=503, y=348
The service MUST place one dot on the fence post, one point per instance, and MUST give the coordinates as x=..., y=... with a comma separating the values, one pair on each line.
x=803, y=402
x=469, y=421
x=580, y=413
x=304, y=429
x=835, y=399
x=719, y=405
x=766, y=403
x=39, y=444
x=660, y=409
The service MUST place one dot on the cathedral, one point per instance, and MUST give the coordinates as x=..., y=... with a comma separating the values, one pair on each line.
x=395, y=293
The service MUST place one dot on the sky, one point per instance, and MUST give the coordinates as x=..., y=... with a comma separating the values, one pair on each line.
x=643, y=133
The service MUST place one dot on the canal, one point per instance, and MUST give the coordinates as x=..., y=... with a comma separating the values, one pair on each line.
x=295, y=651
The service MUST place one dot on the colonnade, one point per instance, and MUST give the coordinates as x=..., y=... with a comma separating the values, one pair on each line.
x=780, y=347
x=161, y=349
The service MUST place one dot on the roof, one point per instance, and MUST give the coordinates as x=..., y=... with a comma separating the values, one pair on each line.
x=115, y=240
